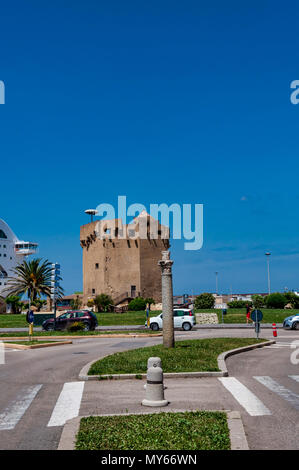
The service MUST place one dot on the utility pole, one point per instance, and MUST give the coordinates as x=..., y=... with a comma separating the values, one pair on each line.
x=268, y=270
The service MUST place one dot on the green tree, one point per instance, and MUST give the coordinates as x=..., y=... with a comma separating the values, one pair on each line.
x=276, y=300
x=205, y=300
x=32, y=278
x=76, y=303
x=258, y=301
x=103, y=302
x=38, y=303
x=150, y=301
x=15, y=302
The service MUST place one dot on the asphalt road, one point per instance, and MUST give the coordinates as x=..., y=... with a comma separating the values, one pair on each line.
x=40, y=388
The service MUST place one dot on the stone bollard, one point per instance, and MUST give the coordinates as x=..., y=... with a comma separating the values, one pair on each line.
x=154, y=362
x=154, y=388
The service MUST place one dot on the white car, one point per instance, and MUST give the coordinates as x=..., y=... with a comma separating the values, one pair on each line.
x=182, y=318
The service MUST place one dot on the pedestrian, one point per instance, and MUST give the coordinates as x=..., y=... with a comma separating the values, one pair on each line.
x=248, y=310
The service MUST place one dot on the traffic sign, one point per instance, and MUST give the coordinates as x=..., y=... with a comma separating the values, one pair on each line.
x=30, y=317
x=256, y=316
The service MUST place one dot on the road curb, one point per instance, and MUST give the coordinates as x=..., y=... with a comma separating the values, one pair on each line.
x=120, y=335
x=83, y=375
x=234, y=421
x=223, y=356
x=35, y=346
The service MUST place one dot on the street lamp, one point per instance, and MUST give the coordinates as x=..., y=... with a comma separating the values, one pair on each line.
x=91, y=212
x=268, y=269
x=216, y=283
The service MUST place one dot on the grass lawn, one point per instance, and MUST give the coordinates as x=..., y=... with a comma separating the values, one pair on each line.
x=187, y=356
x=238, y=315
x=200, y=430
x=234, y=315
x=127, y=318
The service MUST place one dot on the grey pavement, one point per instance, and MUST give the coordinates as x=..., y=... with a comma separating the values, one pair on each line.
x=53, y=368
x=228, y=326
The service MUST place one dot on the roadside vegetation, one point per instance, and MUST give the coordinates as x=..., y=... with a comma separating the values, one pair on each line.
x=234, y=315
x=199, y=430
x=196, y=355
x=238, y=315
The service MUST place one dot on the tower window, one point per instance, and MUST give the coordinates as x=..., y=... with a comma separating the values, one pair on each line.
x=97, y=265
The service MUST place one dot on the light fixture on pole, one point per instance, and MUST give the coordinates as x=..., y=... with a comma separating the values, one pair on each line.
x=268, y=270
x=91, y=212
x=216, y=283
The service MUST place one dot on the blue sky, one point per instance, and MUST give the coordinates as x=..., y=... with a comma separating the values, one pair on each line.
x=161, y=101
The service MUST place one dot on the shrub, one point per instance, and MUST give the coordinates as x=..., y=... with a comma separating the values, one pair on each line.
x=292, y=299
x=258, y=301
x=76, y=326
x=239, y=304
x=103, y=302
x=137, y=304
x=205, y=300
x=276, y=300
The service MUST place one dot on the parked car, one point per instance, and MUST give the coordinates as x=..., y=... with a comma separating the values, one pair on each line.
x=65, y=320
x=182, y=318
x=292, y=322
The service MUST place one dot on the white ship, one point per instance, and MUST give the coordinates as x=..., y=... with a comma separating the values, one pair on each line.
x=12, y=252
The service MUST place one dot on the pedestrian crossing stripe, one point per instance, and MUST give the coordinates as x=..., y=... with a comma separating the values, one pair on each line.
x=280, y=390
x=68, y=403
x=13, y=413
x=245, y=397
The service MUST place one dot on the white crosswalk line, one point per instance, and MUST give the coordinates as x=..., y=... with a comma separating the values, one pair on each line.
x=282, y=391
x=68, y=403
x=294, y=377
x=245, y=397
x=13, y=413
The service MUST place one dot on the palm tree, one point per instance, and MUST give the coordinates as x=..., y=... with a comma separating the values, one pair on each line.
x=32, y=278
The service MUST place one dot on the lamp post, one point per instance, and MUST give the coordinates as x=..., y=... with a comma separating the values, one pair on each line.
x=268, y=270
x=216, y=283
x=91, y=212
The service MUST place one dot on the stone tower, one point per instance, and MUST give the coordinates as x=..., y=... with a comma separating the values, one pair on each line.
x=122, y=260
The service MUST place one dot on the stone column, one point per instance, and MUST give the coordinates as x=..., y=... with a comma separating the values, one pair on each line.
x=167, y=299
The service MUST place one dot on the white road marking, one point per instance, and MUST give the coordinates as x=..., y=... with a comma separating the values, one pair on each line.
x=68, y=403
x=282, y=391
x=245, y=397
x=13, y=413
x=294, y=377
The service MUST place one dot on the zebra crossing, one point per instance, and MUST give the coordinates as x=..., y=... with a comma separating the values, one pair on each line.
x=67, y=405
x=70, y=395
x=251, y=403
x=280, y=345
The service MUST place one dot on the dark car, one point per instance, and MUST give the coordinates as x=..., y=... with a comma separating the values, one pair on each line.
x=65, y=320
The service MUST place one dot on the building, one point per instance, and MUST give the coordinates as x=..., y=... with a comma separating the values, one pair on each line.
x=119, y=262
x=12, y=252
